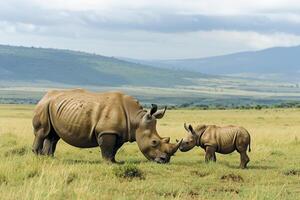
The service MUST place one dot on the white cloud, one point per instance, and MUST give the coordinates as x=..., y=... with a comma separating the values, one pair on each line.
x=261, y=41
x=213, y=7
x=151, y=29
x=6, y=27
x=285, y=17
x=153, y=45
x=9, y=27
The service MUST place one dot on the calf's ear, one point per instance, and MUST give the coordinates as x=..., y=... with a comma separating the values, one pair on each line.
x=185, y=127
x=192, y=130
x=166, y=139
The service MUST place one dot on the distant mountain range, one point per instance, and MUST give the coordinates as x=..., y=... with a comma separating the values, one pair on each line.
x=34, y=65
x=282, y=63
x=24, y=64
x=26, y=73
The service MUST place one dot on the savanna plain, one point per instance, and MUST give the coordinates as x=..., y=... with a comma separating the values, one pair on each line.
x=73, y=173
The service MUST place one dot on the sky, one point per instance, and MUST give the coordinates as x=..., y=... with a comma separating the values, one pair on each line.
x=152, y=29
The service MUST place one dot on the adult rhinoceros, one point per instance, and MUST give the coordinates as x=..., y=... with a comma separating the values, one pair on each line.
x=85, y=119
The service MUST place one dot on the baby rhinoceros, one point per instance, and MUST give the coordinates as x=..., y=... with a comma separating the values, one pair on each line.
x=213, y=139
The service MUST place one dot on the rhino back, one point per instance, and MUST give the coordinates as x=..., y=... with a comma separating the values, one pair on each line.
x=227, y=138
x=76, y=115
x=222, y=138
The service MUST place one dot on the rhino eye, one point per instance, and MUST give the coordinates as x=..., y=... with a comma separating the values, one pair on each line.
x=154, y=143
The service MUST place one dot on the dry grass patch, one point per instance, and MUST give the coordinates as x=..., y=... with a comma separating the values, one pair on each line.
x=292, y=172
x=199, y=174
x=232, y=177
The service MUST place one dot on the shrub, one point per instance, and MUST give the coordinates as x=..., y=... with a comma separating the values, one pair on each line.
x=128, y=171
x=3, y=179
x=70, y=178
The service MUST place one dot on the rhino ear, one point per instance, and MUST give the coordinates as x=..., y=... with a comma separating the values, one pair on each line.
x=153, y=109
x=148, y=115
x=160, y=113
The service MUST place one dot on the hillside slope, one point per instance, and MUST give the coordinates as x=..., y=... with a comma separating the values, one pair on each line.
x=23, y=64
x=279, y=62
x=27, y=73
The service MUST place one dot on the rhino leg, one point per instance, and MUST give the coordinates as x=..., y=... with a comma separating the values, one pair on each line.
x=214, y=157
x=49, y=145
x=244, y=159
x=109, y=145
x=242, y=143
x=210, y=154
x=38, y=141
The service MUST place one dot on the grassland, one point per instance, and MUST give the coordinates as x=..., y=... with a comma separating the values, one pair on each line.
x=226, y=92
x=273, y=173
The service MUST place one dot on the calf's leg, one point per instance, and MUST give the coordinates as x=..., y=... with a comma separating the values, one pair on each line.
x=210, y=154
x=244, y=159
x=214, y=157
x=242, y=143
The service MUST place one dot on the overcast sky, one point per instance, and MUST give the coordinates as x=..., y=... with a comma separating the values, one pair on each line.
x=152, y=29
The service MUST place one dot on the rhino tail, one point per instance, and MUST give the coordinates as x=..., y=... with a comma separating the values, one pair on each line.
x=249, y=146
x=249, y=150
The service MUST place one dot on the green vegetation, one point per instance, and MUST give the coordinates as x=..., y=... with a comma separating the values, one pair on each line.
x=179, y=100
x=48, y=66
x=243, y=106
x=128, y=171
x=75, y=173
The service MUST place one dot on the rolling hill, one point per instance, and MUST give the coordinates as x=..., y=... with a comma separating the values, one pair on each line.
x=27, y=73
x=280, y=63
x=34, y=65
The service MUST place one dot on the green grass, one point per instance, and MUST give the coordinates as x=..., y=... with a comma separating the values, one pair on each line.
x=73, y=173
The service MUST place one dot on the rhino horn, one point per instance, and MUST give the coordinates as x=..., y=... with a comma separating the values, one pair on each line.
x=175, y=147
